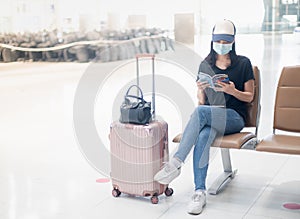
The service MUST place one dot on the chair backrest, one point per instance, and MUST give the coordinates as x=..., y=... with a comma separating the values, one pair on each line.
x=287, y=101
x=253, y=108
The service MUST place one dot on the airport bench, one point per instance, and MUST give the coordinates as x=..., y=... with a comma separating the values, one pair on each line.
x=286, y=119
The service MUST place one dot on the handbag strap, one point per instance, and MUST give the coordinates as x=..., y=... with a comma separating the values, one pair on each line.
x=139, y=90
x=136, y=97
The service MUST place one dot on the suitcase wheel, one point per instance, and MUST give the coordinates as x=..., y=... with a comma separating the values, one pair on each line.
x=116, y=192
x=169, y=191
x=154, y=199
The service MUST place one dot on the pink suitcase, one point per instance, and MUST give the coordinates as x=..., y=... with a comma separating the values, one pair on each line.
x=137, y=154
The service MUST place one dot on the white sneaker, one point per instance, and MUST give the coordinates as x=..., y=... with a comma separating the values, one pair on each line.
x=167, y=174
x=197, y=203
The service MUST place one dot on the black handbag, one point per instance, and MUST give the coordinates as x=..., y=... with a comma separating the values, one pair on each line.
x=135, y=109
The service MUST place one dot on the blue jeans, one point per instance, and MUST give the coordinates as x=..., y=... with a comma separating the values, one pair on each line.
x=205, y=124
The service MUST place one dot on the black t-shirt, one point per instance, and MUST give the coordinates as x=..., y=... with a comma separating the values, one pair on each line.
x=239, y=73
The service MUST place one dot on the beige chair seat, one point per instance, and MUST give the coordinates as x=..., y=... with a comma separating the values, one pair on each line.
x=235, y=141
x=285, y=144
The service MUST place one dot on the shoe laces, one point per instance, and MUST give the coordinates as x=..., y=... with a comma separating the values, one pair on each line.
x=197, y=196
x=167, y=166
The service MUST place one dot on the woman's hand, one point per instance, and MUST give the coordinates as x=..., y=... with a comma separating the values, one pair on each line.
x=200, y=93
x=202, y=85
x=228, y=88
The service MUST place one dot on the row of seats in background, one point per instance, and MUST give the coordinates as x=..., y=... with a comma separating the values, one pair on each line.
x=100, y=46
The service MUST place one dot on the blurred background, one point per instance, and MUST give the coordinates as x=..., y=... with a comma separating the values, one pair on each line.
x=34, y=25
x=67, y=15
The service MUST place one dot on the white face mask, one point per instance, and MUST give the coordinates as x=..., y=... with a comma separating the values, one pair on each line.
x=221, y=48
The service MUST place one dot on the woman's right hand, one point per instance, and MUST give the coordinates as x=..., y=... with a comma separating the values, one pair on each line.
x=202, y=85
x=201, y=94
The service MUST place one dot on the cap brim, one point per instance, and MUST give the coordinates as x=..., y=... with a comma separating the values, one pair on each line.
x=226, y=37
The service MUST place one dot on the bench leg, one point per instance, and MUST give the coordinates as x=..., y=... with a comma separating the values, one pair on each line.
x=226, y=176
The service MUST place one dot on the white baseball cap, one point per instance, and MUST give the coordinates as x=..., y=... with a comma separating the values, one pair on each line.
x=223, y=30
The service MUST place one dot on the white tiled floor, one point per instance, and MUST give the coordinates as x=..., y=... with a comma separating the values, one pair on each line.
x=44, y=174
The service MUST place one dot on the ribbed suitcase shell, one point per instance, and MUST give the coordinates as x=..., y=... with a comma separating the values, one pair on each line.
x=137, y=154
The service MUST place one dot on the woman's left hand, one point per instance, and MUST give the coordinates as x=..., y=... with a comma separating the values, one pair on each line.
x=228, y=88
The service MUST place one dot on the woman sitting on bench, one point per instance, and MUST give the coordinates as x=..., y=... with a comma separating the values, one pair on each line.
x=221, y=110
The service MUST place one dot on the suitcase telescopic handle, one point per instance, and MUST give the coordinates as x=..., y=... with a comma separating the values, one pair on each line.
x=152, y=56
x=145, y=55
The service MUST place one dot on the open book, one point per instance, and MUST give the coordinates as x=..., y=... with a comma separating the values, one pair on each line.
x=212, y=80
